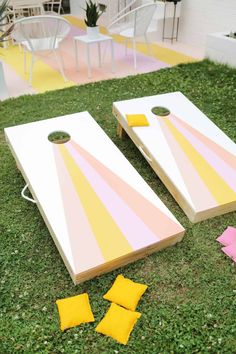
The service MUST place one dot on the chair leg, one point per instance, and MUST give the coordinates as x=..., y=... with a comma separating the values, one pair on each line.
x=3, y=87
x=62, y=61
x=134, y=51
x=60, y=64
x=104, y=52
x=148, y=45
x=126, y=45
x=31, y=69
x=25, y=70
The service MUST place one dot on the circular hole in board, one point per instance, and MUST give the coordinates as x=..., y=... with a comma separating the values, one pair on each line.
x=58, y=137
x=160, y=111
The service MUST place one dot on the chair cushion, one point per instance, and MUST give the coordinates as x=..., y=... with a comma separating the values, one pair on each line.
x=125, y=292
x=118, y=323
x=74, y=310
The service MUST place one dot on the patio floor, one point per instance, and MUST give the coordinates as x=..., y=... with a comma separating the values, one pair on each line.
x=46, y=76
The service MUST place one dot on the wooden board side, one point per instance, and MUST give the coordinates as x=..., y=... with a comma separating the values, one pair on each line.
x=127, y=259
x=18, y=164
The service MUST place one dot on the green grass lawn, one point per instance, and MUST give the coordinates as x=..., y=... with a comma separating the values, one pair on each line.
x=190, y=305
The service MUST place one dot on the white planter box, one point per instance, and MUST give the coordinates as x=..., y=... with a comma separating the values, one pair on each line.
x=221, y=48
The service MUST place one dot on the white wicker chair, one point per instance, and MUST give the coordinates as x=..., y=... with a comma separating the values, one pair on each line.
x=41, y=34
x=21, y=8
x=134, y=24
x=53, y=7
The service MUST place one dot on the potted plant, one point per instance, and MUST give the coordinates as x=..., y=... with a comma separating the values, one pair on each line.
x=232, y=34
x=5, y=31
x=174, y=1
x=93, y=11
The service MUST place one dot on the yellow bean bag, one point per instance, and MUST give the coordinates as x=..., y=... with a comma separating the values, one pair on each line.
x=137, y=120
x=118, y=323
x=74, y=310
x=125, y=292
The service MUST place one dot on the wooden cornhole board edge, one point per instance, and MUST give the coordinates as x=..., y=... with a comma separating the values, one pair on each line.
x=108, y=266
x=194, y=217
x=18, y=164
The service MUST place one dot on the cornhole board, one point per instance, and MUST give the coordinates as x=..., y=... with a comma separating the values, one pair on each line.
x=98, y=209
x=194, y=159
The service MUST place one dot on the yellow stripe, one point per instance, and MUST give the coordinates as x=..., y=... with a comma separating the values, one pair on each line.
x=44, y=77
x=215, y=183
x=110, y=239
x=166, y=55
x=75, y=21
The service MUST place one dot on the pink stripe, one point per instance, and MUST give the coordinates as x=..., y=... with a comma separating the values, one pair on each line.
x=160, y=224
x=222, y=168
x=132, y=227
x=16, y=86
x=85, y=250
x=124, y=63
x=225, y=155
x=199, y=194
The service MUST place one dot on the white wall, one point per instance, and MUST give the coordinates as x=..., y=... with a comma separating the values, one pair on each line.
x=76, y=8
x=200, y=17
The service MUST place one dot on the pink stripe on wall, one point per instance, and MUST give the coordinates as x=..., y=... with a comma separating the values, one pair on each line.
x=85, y=250
x=133, y=228
x=157, y=221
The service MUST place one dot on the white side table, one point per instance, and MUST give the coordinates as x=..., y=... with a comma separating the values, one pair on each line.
x=88, y=41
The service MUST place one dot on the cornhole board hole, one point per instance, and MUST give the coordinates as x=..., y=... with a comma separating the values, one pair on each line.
x=194, y=159
x=98, y=209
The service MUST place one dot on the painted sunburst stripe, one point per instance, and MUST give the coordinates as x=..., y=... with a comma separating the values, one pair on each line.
x=110, y=239
x=224, y=154
x=215, y=183
x=200, y=196
x=227, y=172
x=157, y=221
x=81, y=237
x=133, y=228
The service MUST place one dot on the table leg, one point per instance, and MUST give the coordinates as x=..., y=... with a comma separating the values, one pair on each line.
x=88, y=60
x=99, y=55
x=173, y=24
x=112, y=57
x=164, y=24
x=177, y=31
x=76, y=55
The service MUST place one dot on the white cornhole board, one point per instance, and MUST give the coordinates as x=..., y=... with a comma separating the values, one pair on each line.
x=98, y=209
x=194, y=159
